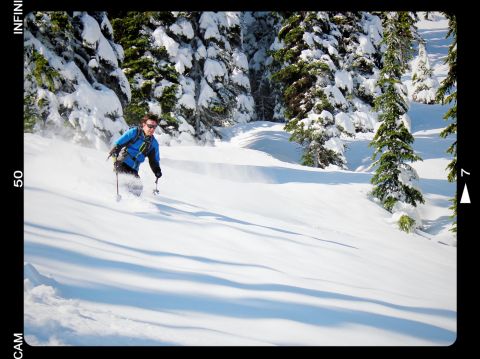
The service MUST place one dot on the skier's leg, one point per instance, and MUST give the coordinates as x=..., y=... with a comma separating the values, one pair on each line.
x=130, y=179
x=135, y=185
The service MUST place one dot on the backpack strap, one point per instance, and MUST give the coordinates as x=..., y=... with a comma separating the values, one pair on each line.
x=134, y=139
x=144, y=147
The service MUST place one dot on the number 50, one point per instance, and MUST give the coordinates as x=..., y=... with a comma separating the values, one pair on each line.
x=18, y=182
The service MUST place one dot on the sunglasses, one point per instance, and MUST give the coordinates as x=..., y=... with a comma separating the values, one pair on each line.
x=151, y=126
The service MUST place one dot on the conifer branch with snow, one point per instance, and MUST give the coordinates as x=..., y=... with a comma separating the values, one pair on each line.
x=394, y=176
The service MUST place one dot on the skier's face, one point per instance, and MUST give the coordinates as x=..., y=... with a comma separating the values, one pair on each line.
x=149, y=127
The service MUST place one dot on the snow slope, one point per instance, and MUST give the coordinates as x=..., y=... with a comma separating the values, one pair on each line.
x=239, y=248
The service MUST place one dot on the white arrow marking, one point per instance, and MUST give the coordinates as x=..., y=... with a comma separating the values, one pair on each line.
x=465, y=196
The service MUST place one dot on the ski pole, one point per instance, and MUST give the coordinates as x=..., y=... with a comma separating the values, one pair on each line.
x=118, y=194
x=116, y=173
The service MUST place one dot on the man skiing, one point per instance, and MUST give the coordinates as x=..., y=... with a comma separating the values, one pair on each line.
x=132, y=148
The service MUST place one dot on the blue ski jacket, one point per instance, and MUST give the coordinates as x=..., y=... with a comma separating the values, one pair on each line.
x=134, y=156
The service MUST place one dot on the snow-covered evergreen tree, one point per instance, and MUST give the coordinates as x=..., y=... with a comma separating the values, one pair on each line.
x=424, y=82
x=260, y=29
x=224, y=97
x=393, y=176
x=360, y=59
x=315, y=105
x=174, y=33
x=188, y=68
x=274, y=65
x=73, y=84
x=447, y=93
x=153, y=78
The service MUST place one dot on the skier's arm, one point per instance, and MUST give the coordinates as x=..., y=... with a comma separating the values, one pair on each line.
x=154, y=161
x=122, y=141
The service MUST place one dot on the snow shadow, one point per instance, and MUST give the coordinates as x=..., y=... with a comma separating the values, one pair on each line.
x=73, y=257
x=171, y=211
x=437, y=225
x=277, y=145
x=427, y=117
x=436, y=43
x=250, y=307
x=127, y=248
x=359, y=155
x=437, y=186
x=432, y=146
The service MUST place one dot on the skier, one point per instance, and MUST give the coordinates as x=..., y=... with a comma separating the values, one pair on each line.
x=131, y=149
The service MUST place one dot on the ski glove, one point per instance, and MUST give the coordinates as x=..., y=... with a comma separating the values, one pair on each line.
x=158, y=174
x=114, y=152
